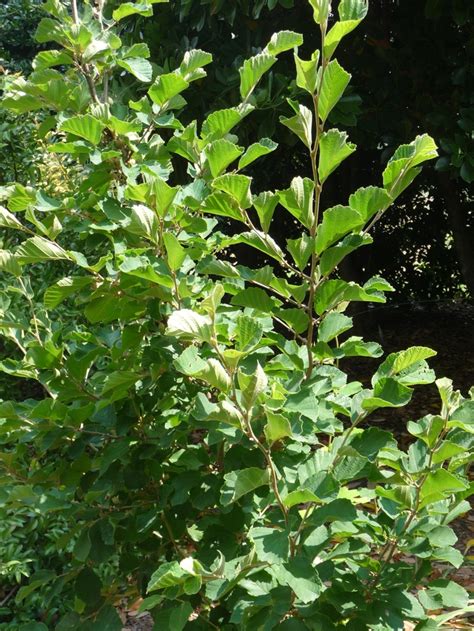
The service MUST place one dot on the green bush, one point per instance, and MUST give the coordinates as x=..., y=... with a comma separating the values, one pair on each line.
x=198, y=437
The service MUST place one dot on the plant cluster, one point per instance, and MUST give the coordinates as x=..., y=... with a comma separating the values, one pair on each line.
x=195, y=428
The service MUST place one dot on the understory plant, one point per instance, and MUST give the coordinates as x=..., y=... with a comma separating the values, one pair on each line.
x=194, y=428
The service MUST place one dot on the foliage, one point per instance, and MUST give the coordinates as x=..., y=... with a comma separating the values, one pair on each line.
x=196, y=430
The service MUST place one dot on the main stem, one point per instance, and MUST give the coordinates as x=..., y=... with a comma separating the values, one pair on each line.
x=317, y=203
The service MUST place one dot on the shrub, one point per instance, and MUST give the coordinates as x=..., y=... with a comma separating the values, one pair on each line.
x=197, y=431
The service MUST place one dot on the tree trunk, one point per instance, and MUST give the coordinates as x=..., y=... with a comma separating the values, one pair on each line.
x=462, y=233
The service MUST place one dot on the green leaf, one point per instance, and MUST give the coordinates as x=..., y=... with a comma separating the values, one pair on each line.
x=301, y=123
x=138, y=67
x=438, y=485
x=271, y=545
x=239, y=483
x=396, y=363
x=164, y=195
x=301, y=250
x=336, y=223
x=254, y=298
x=188, y=324
x=301, y=577
x=333, y=292
x=143, y=222
x=302, y=496
x=88, y=586
x=298, y=200
x=120, y=380
x=173, y=618
x=252, y=71
x=282, y=41
x=220, y=122
x=401, y=170
x=174, y=250
x=320, y=10
x=193, y=62
x=351, y=14
x=8, y=220
x=237, y=186
x=167, y=575
x=334, y=148
x=249, y=332
x=277, y=427
x=223, y=205
x=333, y=325
x=167, y=86
x=9, y=264
x=143, y=7
x=331, y=258
x=261, y=148
x=39, y=249
x=387, y=393
x=335, y=81
x=297, y=319
x=85, y=126
x=265, y=205
x=220, y=154
x=307, y=72
x=252, y=386
x=68, y=286
x=370, y=201
x=463, y=417
x=259, y=241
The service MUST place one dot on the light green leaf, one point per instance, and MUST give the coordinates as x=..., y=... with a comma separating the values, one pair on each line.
x=370, y=201
x=298, y=200
x=396, y=363
x=261, y=148
x=302, y=496
x=259, y=241
x=351, y=14
x=463, y=417
x=188, y=324
x=8, y=220
x=220, y=122
x=143, y=222
x=143, y=7
x=301, y=250
x=252, y=386
x=164, y=195
x=388, y=393
x=336, y=223
x=307, y=72
x=68, y=286
x=277, y=427
x=297, y=319
x=223, y=205
x=333, y=324
x=167, y=86
x=174, y=250
x=320, y=10
x=334, y=148
x=237, y=186
x=220, y=154
x=249, y=332
x=301, y=123
x=9, y=264
x=138, y=67
x=239, y=483
x=271, y=544
x=253, y=70
x=440, y=484
x=401, y=171
x=192, y=64
x=331, y=258
x=85, y=126
x=282, y=41
x=353, y=9
x=335, y=81
x=265, y=205
x=39, y=249
x=254, y=298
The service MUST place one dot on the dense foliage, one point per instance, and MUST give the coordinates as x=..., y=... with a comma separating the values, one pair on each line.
x=194, y=439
